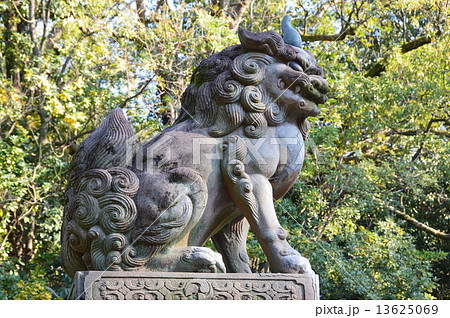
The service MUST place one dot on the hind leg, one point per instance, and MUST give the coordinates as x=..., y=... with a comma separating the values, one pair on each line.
x=231, y=242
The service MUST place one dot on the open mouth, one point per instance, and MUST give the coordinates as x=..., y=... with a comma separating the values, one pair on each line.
x=311, y=87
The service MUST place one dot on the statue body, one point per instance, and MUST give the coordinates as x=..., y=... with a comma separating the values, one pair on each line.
x=221, y=208
x=237, y=145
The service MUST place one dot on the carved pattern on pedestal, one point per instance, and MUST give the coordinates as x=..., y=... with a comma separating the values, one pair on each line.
x=198, y=289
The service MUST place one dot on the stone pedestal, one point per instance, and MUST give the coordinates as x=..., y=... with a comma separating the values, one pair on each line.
x=158, y=285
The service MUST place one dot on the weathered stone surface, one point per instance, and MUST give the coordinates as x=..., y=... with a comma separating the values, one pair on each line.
x=238, y=143
x=140, y=285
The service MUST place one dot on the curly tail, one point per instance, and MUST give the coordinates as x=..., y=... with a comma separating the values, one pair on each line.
x=99, y=213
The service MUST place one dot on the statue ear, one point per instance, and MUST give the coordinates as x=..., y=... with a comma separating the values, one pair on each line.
x=304, y=127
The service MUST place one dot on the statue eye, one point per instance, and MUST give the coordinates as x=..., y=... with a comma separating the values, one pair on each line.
x=295, y=66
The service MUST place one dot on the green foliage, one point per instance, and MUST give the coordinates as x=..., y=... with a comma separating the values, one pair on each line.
x=382, y=263
x=34, y=287
x=32, y=280
x=9, y=279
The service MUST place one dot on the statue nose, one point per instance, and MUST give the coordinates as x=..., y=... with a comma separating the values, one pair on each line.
x=320, y=84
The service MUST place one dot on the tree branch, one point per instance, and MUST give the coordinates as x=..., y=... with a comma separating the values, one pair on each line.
x=380, y=66
x=416, y=132
x=328, y=37
x=427, y=130
x=415, y=44
x=236, y=11
x=53, y=37
x=141, y=89
x=45, y=120
x=416, y=223
x=141, y=11
x=63, y=143
x=33, y=31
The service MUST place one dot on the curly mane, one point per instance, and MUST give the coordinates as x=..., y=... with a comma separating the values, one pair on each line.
x=225, y=93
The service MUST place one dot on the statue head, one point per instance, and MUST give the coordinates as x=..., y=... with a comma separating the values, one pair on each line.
x=262, y=82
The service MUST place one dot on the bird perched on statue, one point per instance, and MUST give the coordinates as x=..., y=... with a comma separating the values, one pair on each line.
x=290, y=35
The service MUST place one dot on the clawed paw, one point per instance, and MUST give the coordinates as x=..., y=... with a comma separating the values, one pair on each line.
x=202, y=259
x=293, y=262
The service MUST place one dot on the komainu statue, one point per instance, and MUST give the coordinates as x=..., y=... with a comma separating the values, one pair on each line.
x=237, y=145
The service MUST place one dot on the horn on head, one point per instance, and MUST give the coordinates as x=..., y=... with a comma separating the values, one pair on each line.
x=290, y=35
x=268, y=42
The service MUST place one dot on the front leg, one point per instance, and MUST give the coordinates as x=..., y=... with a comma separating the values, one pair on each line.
x=253, y=195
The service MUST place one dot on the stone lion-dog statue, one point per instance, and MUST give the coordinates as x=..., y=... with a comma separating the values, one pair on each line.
x=237, y=145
